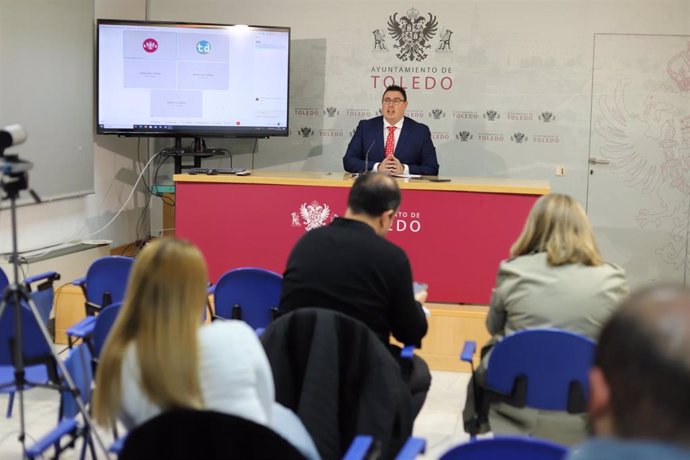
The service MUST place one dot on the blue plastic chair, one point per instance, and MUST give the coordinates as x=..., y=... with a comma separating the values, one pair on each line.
x=104, y=322
x=102, y=326
x=4, y=282
x=105, y=283
x=42, y=296
x=359, y=447
x=363, y=446
x=39, y=364
x=250, y=294
x=78, y=364
x=506, y=447
x=204, y=434
x=412, y=448
x=539, y=368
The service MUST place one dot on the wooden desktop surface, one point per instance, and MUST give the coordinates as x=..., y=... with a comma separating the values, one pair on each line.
x=327, y=179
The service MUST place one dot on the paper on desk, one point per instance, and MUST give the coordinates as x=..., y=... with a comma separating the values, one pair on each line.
x=407, y=176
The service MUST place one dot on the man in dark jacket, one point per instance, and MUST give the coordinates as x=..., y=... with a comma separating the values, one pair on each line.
x=392, y=143
x=349, y=266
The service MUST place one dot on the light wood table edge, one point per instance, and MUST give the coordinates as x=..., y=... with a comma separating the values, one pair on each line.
x=301, y=178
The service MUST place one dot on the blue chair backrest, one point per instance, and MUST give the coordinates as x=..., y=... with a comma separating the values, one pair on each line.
x=42, y=296
x=104, y=322
x=507, y=447
x=108, y=274
x=551, y=360
x=4, y=282
x=78, y=364
x=256, y=290
x=44, y=303
x=34, y=344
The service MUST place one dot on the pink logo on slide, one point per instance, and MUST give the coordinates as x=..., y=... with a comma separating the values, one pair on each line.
x=150, y=45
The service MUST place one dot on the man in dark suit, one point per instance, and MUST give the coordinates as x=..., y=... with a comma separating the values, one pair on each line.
x=349, y=266
x=396, y=144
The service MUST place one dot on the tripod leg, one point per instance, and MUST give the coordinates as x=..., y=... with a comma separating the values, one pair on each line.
x=88, y=441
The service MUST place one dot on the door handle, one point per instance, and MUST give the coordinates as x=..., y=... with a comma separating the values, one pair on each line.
x=598, y=161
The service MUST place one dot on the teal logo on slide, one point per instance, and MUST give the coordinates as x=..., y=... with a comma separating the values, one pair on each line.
x=203, y=47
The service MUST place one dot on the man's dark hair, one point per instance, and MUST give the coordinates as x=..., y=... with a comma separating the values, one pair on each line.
x=397, y=88
x=373, y=194
x=644, y=354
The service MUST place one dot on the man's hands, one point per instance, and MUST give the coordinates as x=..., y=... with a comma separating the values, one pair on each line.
x=391, y=165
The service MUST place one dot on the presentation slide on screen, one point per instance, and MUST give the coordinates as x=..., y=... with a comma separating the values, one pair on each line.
x=181, y=76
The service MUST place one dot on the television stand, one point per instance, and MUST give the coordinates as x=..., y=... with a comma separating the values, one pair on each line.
x=197, y=152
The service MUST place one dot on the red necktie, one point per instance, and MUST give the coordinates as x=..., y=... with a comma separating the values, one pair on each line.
x=390, y=141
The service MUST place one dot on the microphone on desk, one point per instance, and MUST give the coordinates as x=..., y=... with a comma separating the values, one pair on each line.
x=366, y=156
x=366, y=159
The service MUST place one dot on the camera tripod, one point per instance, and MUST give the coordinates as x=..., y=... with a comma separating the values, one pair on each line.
x=14, y=179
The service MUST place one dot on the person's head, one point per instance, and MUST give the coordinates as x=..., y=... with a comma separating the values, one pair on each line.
x=374, y=199
x=394, y=103
x=640, y=382
x=160, y=316
x=559, y=226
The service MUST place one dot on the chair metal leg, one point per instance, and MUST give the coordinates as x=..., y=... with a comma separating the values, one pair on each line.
x=115, y=433
x=10, y=404
x=476, y=422
x=473, y=425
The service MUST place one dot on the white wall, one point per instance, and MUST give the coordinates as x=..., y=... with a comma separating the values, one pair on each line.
x=518, y=57
x=115, y=169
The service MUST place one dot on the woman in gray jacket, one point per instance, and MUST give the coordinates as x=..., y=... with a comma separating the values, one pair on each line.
x=555, y=278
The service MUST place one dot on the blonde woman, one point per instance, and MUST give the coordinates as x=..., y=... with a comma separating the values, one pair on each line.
x=555, y=278
x=158, y=356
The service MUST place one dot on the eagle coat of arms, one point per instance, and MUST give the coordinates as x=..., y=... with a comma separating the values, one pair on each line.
x=518, y=138
x=314, y=214
x=305, y=131
x=413, y=34
x=464, y=136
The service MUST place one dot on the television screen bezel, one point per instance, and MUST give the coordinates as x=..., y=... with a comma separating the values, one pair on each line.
x=190, y=131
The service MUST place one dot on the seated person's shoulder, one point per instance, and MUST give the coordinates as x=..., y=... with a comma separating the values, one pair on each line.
x=224, y=331
x=383, y=243
x=525, y=261
x=391, y=252
x=613, y=268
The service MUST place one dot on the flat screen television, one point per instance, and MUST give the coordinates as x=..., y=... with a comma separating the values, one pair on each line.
x=192, y=80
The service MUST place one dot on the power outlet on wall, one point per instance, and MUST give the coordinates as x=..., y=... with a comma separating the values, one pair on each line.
x=560, y=170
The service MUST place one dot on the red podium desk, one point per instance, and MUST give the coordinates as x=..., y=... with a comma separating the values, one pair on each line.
x=455, y=233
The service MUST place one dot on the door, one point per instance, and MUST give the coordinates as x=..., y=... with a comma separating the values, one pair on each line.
x=639, y=157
